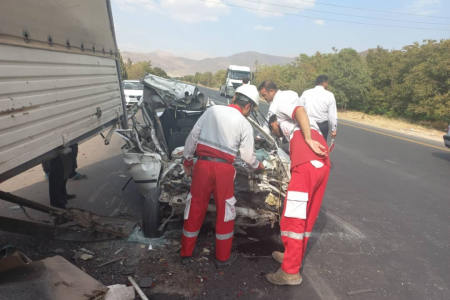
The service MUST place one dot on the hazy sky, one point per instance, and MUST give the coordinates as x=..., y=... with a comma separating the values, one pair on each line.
x=198, y=29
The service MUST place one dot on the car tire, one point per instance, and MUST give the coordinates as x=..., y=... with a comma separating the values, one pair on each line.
x=151, y=216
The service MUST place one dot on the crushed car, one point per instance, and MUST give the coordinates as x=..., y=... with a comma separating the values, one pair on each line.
x=153, y=153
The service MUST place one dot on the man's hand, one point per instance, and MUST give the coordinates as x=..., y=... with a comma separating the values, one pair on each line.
x=188, y=170
x=333, y=134
x=317, y=147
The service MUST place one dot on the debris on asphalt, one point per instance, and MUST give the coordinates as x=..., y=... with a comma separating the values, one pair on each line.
x=150, y=247
x=120, y=292
x=254, y=256
x=58, y=250
x=15, y=207
x=123, y=176
x=118, y=251
x=14, y=260
x=360, y=292
x=110, y=261
x=87, y=251
x=252, y=239
x=86, y=256
x=136, y=287
x=146, y=282
x=206, y=251
x=50, y=278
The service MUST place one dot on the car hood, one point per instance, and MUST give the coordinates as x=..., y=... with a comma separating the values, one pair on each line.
x=133, y=92
x=161, y=93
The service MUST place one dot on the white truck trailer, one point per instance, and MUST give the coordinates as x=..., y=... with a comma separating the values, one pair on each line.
x=59, y=78
x=235, y=75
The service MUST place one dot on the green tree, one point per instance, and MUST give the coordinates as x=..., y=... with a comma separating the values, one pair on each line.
x=123, y=69
x=139, y=69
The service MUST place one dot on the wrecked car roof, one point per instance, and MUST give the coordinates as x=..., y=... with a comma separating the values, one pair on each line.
x=161, y=92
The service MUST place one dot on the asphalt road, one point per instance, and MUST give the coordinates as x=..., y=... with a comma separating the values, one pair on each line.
x=384, y=224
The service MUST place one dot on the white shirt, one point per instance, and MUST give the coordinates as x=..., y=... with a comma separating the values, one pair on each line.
x=288, y=125
x=320, y=105
x=225, y=129
x=281, y=97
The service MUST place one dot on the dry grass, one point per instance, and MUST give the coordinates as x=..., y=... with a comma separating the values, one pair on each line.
x=423, y=129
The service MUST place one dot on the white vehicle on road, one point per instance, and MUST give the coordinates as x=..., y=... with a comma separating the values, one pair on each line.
x=235, y=74
x=133, y=91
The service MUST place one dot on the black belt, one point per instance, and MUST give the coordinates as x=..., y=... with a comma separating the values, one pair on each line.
x=216, y=159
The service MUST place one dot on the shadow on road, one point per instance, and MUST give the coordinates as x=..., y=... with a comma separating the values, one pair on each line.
x=441, y=155
x=101, y=193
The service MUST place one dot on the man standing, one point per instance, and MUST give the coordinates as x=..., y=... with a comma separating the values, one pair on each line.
x=310, y=168
x=321, y=106
x=216, y=138
x=269, y=91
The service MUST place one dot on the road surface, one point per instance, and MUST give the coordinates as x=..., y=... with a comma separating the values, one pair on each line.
x=383, y=231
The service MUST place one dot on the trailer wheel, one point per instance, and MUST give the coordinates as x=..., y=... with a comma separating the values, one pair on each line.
x=151, y=216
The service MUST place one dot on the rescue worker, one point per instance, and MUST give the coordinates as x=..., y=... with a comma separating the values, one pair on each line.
x=269, y=91
x=216, y=138
x=310, y=167
x=321, y=106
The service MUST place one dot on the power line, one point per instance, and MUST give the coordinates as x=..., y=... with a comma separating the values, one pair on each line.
x=315, y=18
x=347, y=15
x=373, y=10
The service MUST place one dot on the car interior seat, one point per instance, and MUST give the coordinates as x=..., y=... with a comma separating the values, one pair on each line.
x=178, y=138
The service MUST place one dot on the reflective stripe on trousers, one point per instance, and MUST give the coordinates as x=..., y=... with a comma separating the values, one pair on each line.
x=295, y=235
x=190, y=234
x=222, y=237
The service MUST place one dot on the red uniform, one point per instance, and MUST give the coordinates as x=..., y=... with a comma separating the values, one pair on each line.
x=220, y=133
x=309, y=176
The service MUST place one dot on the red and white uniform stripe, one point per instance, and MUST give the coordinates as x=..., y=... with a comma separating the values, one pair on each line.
x=309, y=176
x=220, y=132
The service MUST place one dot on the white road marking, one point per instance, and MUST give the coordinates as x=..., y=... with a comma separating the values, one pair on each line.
x=346, y=226
x=321, y=287
x=390, y=161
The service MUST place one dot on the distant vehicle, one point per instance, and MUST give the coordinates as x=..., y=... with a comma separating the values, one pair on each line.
x=235, y=74
x=447, y=138
x=133, y=91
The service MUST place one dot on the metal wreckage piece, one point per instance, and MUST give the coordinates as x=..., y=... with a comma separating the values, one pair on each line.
x=259, y=195
x=73, y=224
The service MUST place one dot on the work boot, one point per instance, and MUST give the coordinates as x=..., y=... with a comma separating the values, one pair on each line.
x=283, y=278
x=278, y=256
x=232, y=258
x=186, y=260
x=70, y=196
x=78, y=176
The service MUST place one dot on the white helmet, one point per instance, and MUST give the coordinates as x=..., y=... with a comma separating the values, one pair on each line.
x=250, y=91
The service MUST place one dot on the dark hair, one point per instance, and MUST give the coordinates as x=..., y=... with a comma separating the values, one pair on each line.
x=242, y=101
x=321, y=79
x=268, y=85
x=273, y=118
x=245, y=80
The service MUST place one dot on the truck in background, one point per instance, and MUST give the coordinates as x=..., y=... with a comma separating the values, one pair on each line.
x=235, y=74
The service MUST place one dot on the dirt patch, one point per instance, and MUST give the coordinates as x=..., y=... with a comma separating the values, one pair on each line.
x=425, y=130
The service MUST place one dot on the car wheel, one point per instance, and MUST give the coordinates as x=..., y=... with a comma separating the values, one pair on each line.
x=151, y=216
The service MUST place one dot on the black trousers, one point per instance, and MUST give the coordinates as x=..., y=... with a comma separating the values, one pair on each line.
x=57, y=183
x=74, y=160
x=324, y=129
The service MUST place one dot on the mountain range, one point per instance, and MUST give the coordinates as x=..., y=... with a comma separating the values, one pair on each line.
x=179, y=66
